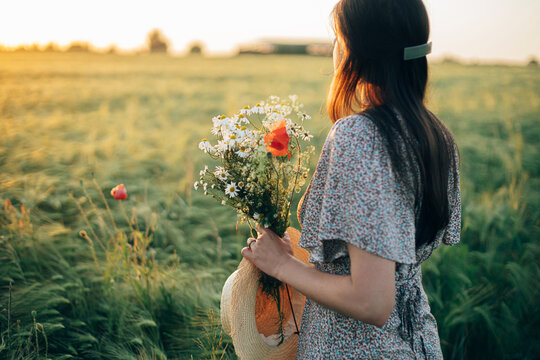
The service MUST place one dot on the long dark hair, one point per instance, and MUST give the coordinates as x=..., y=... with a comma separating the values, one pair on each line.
x=371, y=77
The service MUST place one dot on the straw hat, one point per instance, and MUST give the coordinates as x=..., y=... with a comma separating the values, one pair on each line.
x=250, y=317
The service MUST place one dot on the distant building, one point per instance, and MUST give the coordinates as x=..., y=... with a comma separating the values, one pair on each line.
x=78, y=46
x=325, y=49
x=256, y=48
x=266, y=47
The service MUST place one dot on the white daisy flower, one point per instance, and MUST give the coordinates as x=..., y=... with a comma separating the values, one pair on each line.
x=220, y=121
x=306, y=136
x=231, y=126
x=223, y=176
x=294, y=130
x=196, y=185
x=223, y=145
x=257, y=216
x=274, y=116
x=245, y=110
x=232, y=139
x=257, y=109
x=243, y=152
x=231, y=189
x=221, y=173
x=286, y=110
x=241, y=119
x=252, y=141
x=205, y=145
x=203, y=171
x=241, y=184
x=241, y=130
x=304, y=116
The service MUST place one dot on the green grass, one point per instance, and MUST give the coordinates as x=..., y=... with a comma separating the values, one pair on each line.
x=145, y=280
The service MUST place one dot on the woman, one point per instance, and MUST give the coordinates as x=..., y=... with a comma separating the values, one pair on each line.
x=384, y=195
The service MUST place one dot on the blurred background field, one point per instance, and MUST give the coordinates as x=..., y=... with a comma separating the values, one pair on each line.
x=143, y=279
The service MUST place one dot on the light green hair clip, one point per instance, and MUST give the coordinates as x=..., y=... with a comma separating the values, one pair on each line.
x=415, y=52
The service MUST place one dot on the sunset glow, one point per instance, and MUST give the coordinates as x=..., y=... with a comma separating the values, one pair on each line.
x=480, y=29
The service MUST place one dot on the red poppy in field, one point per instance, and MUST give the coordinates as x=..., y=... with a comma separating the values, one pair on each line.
x=277, y=140
x=119, y=192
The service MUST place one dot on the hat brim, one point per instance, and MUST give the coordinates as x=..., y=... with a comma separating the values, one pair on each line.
x=241, y=309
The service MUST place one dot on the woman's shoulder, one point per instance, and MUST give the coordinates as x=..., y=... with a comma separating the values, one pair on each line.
x=358, y=136
x=356, y=124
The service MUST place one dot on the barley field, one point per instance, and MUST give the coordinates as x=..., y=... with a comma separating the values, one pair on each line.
x=83, y=276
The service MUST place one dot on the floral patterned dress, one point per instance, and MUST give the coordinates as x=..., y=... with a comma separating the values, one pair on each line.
x=354, y=198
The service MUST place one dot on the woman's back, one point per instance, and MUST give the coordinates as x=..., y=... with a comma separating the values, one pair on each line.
x=355, y=197
x=382, y=186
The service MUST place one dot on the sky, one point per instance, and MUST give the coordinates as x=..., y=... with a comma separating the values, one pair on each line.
x=500, y=30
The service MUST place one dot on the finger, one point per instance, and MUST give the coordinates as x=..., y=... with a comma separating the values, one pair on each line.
x=250, y=240
x=263, y=231
x=252, y=245
x=246, y=252
x=260, y=229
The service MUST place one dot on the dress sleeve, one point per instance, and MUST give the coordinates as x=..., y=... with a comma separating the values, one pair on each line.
x=356, y=199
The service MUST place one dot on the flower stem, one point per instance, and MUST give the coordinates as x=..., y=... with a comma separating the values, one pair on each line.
x=125, y=215
x=106, y=204
x=81, y=210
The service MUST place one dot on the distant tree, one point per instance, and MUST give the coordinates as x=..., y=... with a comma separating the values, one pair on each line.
x=51, y=47
x=195, y=48
x=78, y=46
x=34, y=48
x=157, y=43
x=20, y=48
x=450, y=60
x=111, y=50
x=532, y=62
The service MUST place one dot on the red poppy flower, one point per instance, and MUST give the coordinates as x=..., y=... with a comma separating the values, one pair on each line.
x=277, y=140
x=119, y=192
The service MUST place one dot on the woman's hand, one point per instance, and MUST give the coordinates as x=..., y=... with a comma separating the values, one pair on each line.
x=269, y=252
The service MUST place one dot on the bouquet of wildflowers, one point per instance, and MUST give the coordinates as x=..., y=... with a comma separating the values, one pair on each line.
x=262, y=165
x=262, y=161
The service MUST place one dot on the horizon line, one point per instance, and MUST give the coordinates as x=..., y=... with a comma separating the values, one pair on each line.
x=142, y=49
